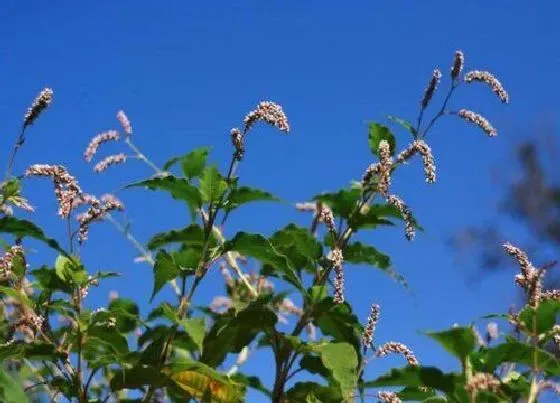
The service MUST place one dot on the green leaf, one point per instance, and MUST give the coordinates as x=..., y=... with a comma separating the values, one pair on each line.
x=32, y=351
x=11, y=391
x=244, y=194
x=127, y=313
x=377, y=133
x=137, y=377
x=212, y=184
x=515, y=352
x=342, y=361
x=179, y=188
x=170, y=162
x=314, y=365
x=459, y=341
x=193, y=235
x=70, y=270
x=17, y=295
x=415, y=394
x=23, y=228
x=311, y=392
x=299, y=245
x=544, y=316
x=165, y=270
x=415, y=377
x=359, y=253
x=342, y=203
x=49, y=280
x=338, y=321
x=258, y=247
x=231, y=332
x=402, y=122
x=252, y=382
x=195, y=328
x=193, y=163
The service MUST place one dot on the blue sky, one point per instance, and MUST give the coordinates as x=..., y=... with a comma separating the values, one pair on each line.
x=186, y=73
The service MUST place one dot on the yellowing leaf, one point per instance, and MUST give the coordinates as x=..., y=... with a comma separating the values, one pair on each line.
x=201, y=385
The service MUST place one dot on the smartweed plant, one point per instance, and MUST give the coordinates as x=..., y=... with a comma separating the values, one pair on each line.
x=55, y=347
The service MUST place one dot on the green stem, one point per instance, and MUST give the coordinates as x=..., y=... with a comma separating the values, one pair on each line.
x=19, y=142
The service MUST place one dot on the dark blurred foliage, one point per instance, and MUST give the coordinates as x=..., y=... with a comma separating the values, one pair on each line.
x=527, y=213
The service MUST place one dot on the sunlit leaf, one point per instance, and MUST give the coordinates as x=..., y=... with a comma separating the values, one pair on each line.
x=402, y=122
x=245, y=194
x=342, y=361
x=11, y=391
x=17, y=295
x=192, y=235
x=343, y=203
x=377, y=133
x=165, y=270
x=544, y=317
x=23, y=228
x=212, y=184
x=193, y=163
x=179, y=188
x=459, y=341
x=202, y=382
x=231, y=332
x=195, y=328
x=415, y=377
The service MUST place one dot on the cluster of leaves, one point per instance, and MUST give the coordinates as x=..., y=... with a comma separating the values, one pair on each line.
x=55, y=346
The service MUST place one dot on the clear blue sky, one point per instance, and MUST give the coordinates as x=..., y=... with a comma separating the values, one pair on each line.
x=186, y=73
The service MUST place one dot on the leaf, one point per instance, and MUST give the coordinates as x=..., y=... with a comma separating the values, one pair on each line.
x=338, y=321
x=377, y=133
x=127, y=313
x=415, y=394
x=164, y=270
x=342, y=203
x=314, y=365
x=459, y=341
x=402, y=122
x=195, y=328
x=23, y=228
x=415, y=377
x=544, y=316
x=48, y=280
x=231, y=332
x=70, y=270
x=245, y=194
x=17, y=295
x=137, y=377
x=258, y=247
x=212, y=184
x=515, y=352
x=341, y=360
x=204, y=383
x=11, y=391
x=252, y=382
x=193, y=235
x=170, y=162
x=311, y=392
x=179, y=188
x=359, y=253
x=35, y=350
x=193, y=163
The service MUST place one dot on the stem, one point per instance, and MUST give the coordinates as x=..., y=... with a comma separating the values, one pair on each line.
x=17, y=145
x=534, y=391
x=138, y=246
x=441, y=111
x=141, y=156
x=201, y=269
x=78, y=307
